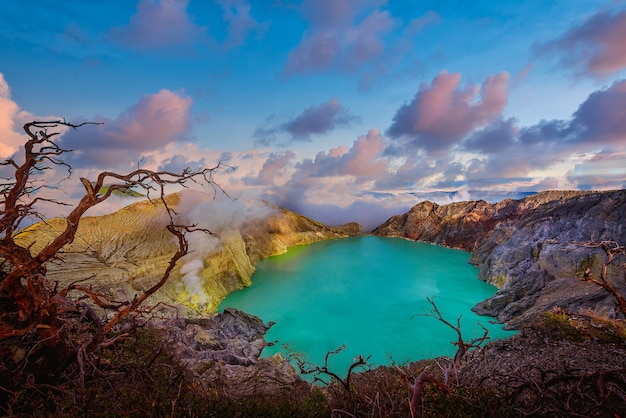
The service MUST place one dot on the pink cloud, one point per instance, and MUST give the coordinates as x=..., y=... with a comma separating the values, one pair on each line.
x=596, y=46
x=521, y=77
x=240, y=21
x=12, y=118
x=363, y=161
x=11, y=140
x=444, y=112
x=158, y=24
x=314, y=120
x=601, y=118
x=418, y=24
x=273, y=169
x=335, y=39
x=319, y=120
x=153, y=122
x=363, y=158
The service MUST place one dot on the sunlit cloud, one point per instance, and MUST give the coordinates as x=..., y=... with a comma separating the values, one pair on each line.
x=336, y=38
x=240, y=22
x=275, y=170
x=600, y=171
x=158, y=24
x=153, y=122
x=416, y=25
x=12, y=119
x=314, y=120
x=11, y=140
x=443, y=113
x=594, y=47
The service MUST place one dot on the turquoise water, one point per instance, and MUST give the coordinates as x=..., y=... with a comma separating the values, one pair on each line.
x=368, y=293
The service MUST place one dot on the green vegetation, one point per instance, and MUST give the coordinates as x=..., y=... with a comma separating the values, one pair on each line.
x=581, y=327
x=124, y=193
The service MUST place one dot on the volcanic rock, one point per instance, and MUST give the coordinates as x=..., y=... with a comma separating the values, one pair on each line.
x=531, y=249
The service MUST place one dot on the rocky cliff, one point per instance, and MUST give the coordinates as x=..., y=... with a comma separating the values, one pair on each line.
x=125, y=252
x=529, y=248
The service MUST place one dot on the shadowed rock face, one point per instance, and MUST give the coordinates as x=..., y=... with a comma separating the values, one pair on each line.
x=126, y=252
x=527, y=248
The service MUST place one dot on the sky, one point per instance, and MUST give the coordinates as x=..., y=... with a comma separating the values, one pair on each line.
x=342, y=110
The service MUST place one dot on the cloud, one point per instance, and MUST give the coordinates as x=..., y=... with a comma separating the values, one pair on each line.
x=153, y=122
x=600, y=171
x=158, y=24
x=598, y=122
x=240, y=23
x=274, y=169
x=443, y=113
x=341, y=178
x=595, y=47
x=338, y=36
x=315, y=120
x=601, y=118
x=179, y=162
x=494, y=138
x=598, y=127
x=12, y=118
x=416, y=25
x=362, y=161
x=11, y=140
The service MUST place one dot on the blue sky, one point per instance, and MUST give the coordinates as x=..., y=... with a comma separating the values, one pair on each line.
x=339, y=109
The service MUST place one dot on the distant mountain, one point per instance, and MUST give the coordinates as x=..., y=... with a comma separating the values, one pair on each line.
x=528, y=247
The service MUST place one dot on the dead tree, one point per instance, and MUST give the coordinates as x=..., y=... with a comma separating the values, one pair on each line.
x=415, y=385
x=33, y=312
x=462, y=346
x=317, y=371
x=611, y=250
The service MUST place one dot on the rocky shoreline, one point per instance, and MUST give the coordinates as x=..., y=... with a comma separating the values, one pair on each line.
x=529, y=248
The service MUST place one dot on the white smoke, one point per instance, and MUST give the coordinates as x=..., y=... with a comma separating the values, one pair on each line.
x=192, y=283
x=221, y=215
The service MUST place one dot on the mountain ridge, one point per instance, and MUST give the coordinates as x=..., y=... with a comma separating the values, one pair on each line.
x=529, y=248
x=123, y=253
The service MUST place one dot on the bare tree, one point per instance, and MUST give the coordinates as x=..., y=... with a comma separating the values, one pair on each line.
x=34, y=313
x=317, y=371
x=611, y=250
x=415, y=385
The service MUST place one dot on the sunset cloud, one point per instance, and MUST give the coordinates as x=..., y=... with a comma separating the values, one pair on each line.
x=595, y=47
x=314, y=120
x=341, y=109
x=179, y=162
x=274, y=171
x=158, y=24
x=601, y=119
x=443, y=113
x=338, y=36
x=11, y=140
x=240, y=22
x=153, y=122
x=494, y=138
x=605, y=170
x=12, y=119
x=362, y=161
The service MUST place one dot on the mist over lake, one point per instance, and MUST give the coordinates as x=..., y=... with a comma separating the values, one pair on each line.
x=368, y=293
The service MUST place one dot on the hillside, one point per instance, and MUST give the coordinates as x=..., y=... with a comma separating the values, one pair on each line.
x=125, y=252
x=560, y=363
x=529, y=248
